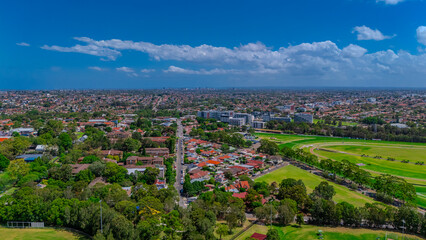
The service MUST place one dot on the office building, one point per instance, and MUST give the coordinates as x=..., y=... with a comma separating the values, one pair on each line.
x=303, y=117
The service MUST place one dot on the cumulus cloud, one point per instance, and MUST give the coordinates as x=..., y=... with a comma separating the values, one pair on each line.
x=390, y=2
x=23, y=44
x=147, y=70
x=317, y=60
x=353, y=51
x=125, y=69
x=91, y=49
x=174, y=69
x=96, y=68
x=366, y=33
x=421, y=35
x=130, y=71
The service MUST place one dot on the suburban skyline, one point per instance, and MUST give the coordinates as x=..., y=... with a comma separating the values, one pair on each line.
x=102, y=45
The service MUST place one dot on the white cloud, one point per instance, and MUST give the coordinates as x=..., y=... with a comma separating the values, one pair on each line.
x=23, y=44
x=108, y=53
x=366, y=33
x=390, y=2
x=317, y=60
x=97, y=68
x=125, y=69
x=353, y=51
x=174, y=69
x=130, y=71
x=147, y=70
x=421, y=34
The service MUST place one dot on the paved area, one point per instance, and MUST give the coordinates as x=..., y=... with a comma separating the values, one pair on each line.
x=180, y=168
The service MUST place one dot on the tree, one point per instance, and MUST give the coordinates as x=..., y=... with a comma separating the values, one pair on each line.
x=171, y=144
x=222, y=230
x=268, y=147
x=131, y=145
x=150, y=175
x=324, y=190
x=62, y=173
x=350, y=214
x=285, y=214
x=115, y=173
x=299, y=219
x=18, y=168
x=65, y=141
x=295, y=190
x=4, y=162
x=85, y=175
x=324, y=212
x=272, y=234
x=97, y=168
x=90, y=159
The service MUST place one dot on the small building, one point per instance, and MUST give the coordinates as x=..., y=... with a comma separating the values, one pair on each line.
x=259, y=236
x=144, y=160
x=29, y=157
x=76, y=168
x=163, y=152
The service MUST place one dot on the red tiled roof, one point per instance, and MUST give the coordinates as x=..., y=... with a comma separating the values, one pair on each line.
x=199, y=174
x=258, y=236
x=240, y=195
x=243, y=184
x=213, y=162
x=201, y=164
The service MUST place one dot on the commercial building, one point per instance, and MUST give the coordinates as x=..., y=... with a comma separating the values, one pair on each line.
x=247, y=117
x=258, y=124
x=303, y=117
x=281, y=119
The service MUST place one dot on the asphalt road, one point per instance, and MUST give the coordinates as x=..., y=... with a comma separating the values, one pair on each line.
x=179, y=159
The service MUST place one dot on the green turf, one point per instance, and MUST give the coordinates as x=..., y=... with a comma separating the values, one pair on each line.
x=311, y=181
x=415, y=174
x=380, y=165
x=412, y=153
x=37, y=234
x=301, y=140
x=308, y=232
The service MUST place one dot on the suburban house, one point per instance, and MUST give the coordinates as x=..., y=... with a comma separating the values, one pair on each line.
x=144, y=160
x=162, y=152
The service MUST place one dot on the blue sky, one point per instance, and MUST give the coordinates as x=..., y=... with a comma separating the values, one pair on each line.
x=155, y=44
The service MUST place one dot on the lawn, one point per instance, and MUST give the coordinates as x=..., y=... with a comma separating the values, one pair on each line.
x=412, y=153
x=397, y=168
x=415, y=174
x=308, y=232
x=311, y=181
x=304, y=140
x=412, y=173
x=37, y=234
x=234, y=231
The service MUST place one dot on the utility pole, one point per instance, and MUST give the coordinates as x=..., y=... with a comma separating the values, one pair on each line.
x=100, y=204
x=403, y=229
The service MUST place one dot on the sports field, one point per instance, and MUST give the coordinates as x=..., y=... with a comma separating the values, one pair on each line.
x=37, y=234
x=308, y=232
x=370, y=154
x=311, y=181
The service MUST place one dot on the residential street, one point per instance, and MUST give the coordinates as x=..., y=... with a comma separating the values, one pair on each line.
x=179, y=160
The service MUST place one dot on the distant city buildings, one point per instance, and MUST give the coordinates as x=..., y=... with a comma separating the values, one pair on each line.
x=240, y=119
x=303, y=117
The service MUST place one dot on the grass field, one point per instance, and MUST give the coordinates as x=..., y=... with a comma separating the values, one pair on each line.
x=380, y=165
x=307, y=232
x=311, y=181
x=412, y=153
x=351, y=149
x=304, y=140
x=234, y=231
x=37, y=234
